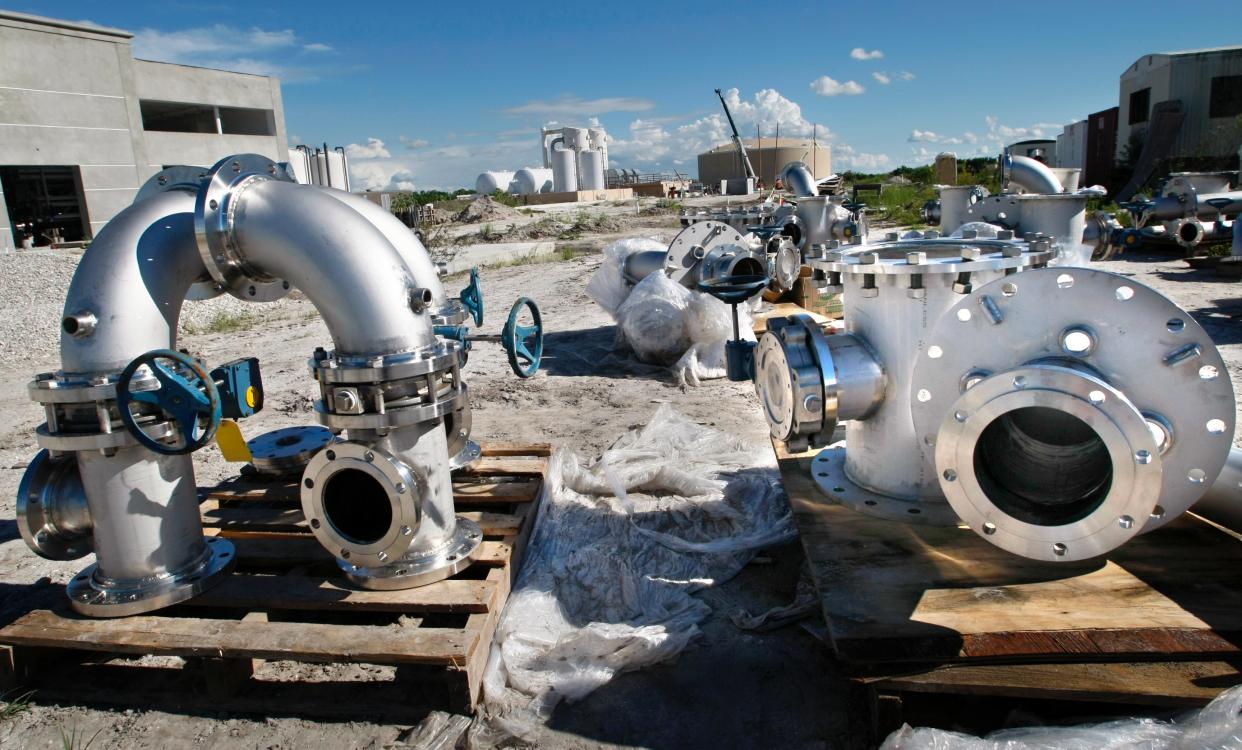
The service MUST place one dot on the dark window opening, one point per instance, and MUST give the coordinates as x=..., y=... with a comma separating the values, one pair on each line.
x=1140, y=105
x=1226, y=97
x=176, y=117
x=46, y=204
x=243, y=121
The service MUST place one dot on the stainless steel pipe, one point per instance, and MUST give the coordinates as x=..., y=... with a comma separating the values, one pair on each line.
x=1030, y=175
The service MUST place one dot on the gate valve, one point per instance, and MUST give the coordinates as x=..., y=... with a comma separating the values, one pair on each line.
x=186, y=393
x=734, y=290
x=472, y=297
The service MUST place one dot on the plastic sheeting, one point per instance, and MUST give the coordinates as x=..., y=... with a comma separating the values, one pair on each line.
x=620, y=546
x=662, y=321
x=1216, y=727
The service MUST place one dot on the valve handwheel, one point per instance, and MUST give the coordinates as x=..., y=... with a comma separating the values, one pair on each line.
x=523, y=344
x=472, y=297
x=186, y=394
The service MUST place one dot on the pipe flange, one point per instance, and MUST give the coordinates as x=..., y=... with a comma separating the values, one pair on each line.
x=784, y=265
x=178, y=177
x=828, y=471
x=1125, y=333
x=213, y=225
x=99, y=441
x=691, y=246
x=362, y=503
x=447, y=401
x=936, y=256
x=1117, y=492
x=329, y=368
x=796, y=383
x=462, y=549
x=52, y=514
x=452, y=314
x=95, y=596
x=288, y=450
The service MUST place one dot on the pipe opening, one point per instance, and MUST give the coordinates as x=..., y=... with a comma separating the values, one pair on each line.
x=1190, y=232
x=357, y=506
x=1043, y=466
x=749, y=267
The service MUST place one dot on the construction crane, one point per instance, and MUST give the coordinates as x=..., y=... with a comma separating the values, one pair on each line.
x=737, y=141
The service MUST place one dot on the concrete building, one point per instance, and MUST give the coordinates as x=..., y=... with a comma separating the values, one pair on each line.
x=83, y=124
x=1072, y=146
x=1206, y=83
x=723, y=162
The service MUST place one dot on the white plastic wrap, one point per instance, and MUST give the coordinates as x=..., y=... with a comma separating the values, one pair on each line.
x=620, y=546
x=608, y=286
x=662, y=321
x=1216, y=727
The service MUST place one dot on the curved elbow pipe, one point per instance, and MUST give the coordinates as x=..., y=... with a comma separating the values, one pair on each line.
x=1031, y=175
x=126, y=294
x=348, y=269
x=798, y=179
x=406, y=243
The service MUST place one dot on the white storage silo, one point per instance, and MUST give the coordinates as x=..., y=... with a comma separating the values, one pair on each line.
x=489, y=182
x=564, y=168
x=530, y=181
x=591, y=170
x=599, y=142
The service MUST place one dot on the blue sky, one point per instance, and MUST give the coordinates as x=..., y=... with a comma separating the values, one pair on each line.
x=429, y=94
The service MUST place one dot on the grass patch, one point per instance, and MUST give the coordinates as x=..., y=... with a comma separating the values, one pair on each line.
x=11, y=705
x=224, y=322
x=74, y=740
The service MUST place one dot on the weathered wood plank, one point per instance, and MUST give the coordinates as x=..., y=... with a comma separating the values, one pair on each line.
x=509, y=448
x=191, y=637
x=893, y=591
x=316, y=593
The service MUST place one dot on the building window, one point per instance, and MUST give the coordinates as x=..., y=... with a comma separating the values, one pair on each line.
x=1140, y=105
x=46, y=204
x=177, y=117
x=1226, y=97
x=242, y=121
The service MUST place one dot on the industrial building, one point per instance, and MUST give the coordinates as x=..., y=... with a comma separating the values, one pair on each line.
x=1206, y=87
x=77, y=143
x=768, y=156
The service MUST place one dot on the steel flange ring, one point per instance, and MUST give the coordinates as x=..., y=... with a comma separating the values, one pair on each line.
x=213, y=226
x=1116, y=490
x=1126, y=334
x=692, y=245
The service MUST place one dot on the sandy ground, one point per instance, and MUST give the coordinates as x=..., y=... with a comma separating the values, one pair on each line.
x=732, y=689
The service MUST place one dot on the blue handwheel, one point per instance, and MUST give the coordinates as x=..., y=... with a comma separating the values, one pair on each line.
x=192, y=403
x=523, y=344
x=472, y=297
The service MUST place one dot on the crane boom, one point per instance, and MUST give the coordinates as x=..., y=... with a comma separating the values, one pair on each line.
x=737, y=140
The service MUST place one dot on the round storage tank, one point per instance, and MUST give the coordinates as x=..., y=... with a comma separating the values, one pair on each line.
x=489, y=182
x=591, y=170
x=564, y=170
x=531, y=180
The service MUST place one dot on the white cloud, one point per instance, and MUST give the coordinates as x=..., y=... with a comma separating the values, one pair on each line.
x=922, y=136
x=825, y=86
x=906, y=75
x=858, y=53
x=373, y=149
x=269, y=52
x=882, y=77
x=572, y=106
x=413, y=144
x=845, y=157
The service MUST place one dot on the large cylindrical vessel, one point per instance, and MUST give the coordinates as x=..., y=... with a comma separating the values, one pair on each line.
x=591, y=170
x=530, y=181
x=489, y=182
x=564, y=169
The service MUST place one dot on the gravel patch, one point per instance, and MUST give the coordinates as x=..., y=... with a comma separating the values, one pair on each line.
x=33, y=285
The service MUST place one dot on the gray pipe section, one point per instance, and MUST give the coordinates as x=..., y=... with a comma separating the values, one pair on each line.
x=1032, y=176
x=1223, y=502
x=640, y=265
x=798, y=179
x=1171, y=207
x=133, y=279
x=145, y=512
x=406, y=243
x=353, y=275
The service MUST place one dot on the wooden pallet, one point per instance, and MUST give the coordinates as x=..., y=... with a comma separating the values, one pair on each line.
x=929, y=610
x=287, y=602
